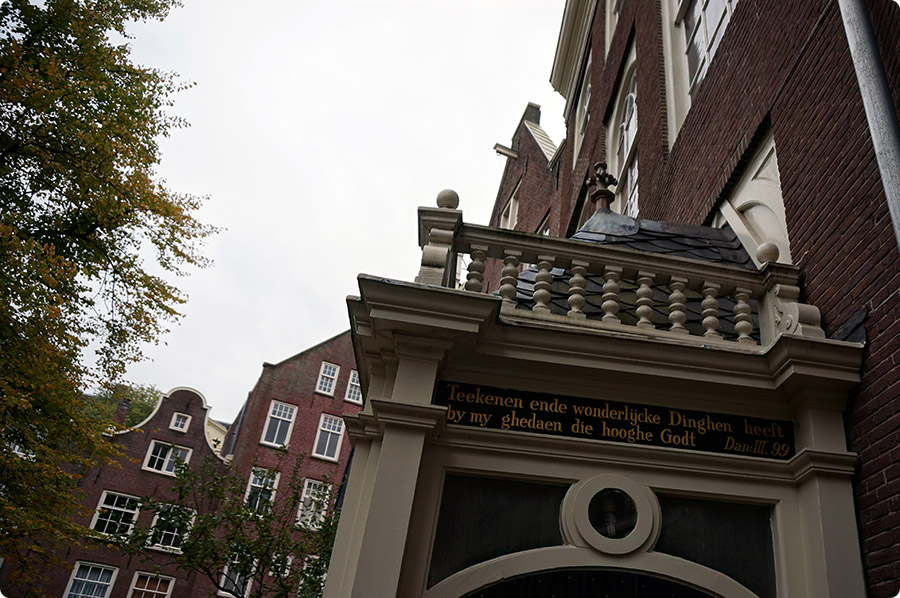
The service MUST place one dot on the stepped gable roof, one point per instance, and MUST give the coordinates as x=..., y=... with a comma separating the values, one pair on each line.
x=543, y=140
x=705, y=243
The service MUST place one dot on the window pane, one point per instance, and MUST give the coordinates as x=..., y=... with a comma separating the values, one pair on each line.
x=322, y=446
x=158, y=457
x=332, y=444
x=692, y=17
x=715, y=9
x=90, y=581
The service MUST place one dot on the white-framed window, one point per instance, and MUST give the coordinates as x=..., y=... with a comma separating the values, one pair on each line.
x=313, y=503
x=704, y=22
x=149, y=585
x=509, y=218
x=354, y=391
x=544, y=228
x=622, y=135
x=162, y=457
x=168, y=529
x=582, y=114
x=328, y=374
x=328, y=439
x=261, y=489
x=115, y=514
x=281, y=565
x=235, y=581
x=90, y=580
x=279, y=425
x=180, y=422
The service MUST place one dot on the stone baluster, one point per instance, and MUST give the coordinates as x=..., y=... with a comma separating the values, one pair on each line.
x=475, y=275
x=710, y=313
x=577, y=284
x=644, y=300
x=677, y=308
x=610, y=298
x=542, y=284
x=509, y=277
x=743, y=321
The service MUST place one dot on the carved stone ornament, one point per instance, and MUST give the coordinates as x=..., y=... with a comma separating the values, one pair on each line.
x=598, y=186
x=794, y=317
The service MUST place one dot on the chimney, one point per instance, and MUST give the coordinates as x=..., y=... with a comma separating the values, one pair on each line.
x=121, y=411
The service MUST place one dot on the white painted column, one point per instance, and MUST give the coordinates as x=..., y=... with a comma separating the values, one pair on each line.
x=381, y=544
x=833, y=562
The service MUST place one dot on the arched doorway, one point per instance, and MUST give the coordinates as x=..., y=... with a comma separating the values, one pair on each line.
x=586, y=583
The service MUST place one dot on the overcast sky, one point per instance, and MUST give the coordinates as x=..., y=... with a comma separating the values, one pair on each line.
x=317, y=128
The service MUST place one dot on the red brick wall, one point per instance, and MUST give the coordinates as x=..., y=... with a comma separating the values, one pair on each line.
x=131, y=479
x=293, y=381
x=537, y=183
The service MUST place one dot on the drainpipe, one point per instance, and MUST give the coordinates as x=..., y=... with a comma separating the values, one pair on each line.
x=877, y=102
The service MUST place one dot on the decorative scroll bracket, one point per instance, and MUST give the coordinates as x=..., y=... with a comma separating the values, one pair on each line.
x=791, y=316
x=437, y=227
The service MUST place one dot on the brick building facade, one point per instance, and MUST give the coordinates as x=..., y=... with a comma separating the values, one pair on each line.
x=780, y=69
x=712, y=239
x=296, y=404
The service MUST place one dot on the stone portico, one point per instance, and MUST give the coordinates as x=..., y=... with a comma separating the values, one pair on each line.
x=714, y=401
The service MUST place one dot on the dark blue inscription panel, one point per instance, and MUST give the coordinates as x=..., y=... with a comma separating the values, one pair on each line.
x=599, y=419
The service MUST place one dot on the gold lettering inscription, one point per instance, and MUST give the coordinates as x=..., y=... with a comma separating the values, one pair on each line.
x=685, y=438
x=701, y=424
x=484, y=399
x=511, y=420
x=772, y=430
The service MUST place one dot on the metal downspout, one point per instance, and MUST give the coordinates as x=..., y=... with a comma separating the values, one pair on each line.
x=877, y=102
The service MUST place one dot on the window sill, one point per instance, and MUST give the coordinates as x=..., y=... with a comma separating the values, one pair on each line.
x=165, y=549
x=273, y=445
x=324, y=458
x=165, y=473
x=323, y=393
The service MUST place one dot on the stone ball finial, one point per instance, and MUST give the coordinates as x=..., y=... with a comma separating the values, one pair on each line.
x=767, y=252
x=448, y=199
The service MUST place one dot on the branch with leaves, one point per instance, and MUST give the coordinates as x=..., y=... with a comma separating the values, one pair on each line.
x=250, y=537
x=81, y=209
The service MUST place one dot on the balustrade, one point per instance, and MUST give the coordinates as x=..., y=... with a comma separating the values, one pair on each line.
x=611, y=286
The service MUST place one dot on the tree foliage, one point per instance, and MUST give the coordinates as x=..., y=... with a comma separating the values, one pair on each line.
x=80, y=211
x=248, y=544
x=142, y=400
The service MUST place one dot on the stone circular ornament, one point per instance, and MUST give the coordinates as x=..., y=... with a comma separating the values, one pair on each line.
x=448, y=199
x=613, y=514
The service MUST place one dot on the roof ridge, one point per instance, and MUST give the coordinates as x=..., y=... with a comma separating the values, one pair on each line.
x=543, y=140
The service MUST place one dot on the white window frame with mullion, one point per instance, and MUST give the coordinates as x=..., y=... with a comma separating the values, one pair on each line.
x=173, y=531
x=327, y=382
x=623, y=159
x=169, y=458
x=313, y=503
x=261, y=481
x=279, y=424
x=144, y=592
x=702, y=36
x=509, y=217
x=582, y=109
x=354, y=390
x=329, y=427
x=110, y=503
x=232, y=584
x=85, y=587
x=176, y=417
